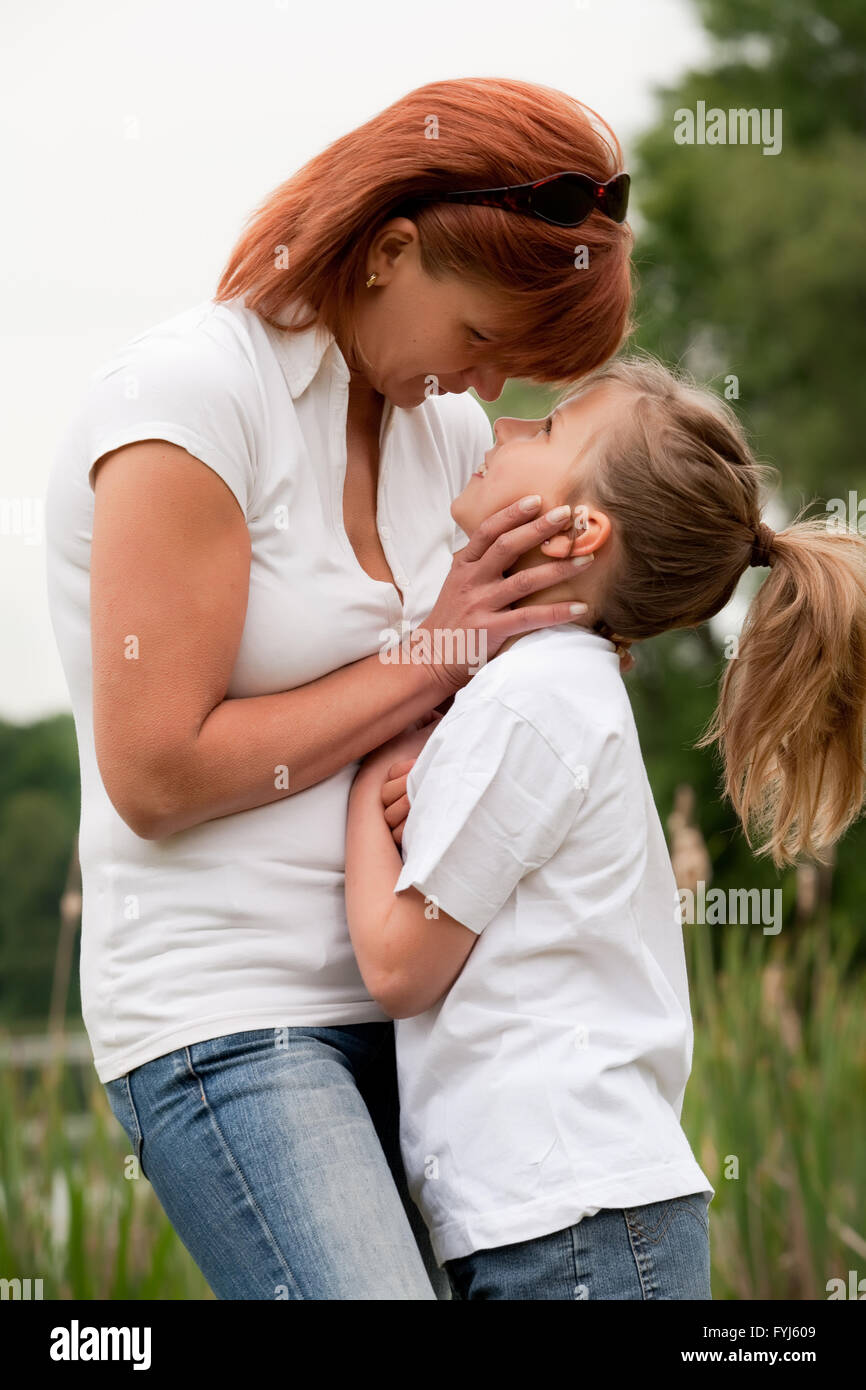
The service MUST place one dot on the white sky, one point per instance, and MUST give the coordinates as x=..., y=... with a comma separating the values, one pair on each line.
x=137, y=137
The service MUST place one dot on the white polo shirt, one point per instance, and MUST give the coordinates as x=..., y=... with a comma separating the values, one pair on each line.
x=240, y=922
x=548, y=1083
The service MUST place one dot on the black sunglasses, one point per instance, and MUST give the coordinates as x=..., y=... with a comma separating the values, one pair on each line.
x=565, y=199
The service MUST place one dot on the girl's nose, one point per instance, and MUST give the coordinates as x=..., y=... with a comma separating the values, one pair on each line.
x=509, y=427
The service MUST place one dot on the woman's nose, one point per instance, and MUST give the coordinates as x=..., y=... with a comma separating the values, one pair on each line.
x=488, y=383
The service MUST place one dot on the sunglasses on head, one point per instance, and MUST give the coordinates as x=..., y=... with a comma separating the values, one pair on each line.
x=565, y=199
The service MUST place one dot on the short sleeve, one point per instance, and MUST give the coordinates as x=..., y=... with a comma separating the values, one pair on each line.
x=186, y=389
x=490, y=800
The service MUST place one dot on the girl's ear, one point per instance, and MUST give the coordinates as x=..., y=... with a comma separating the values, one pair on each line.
x=568, y=542
x=559, y=547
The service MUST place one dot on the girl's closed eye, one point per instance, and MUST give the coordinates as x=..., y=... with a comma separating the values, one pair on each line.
x=548, y=424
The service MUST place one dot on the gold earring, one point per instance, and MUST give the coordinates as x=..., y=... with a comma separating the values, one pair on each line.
x=371, y=278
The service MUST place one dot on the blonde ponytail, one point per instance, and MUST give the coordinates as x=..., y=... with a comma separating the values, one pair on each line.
x=791, y=714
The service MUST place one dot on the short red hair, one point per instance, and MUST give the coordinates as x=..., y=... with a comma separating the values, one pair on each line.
x=558, y=321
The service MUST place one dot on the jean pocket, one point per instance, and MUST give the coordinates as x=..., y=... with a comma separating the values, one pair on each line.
x=123, y=1108
x=651, y=1222
x=696, y=1203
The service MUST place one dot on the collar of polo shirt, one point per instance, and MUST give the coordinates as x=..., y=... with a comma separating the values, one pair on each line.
x=300, y=354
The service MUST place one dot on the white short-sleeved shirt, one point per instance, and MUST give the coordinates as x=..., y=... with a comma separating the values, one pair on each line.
x=548, y=1082
x=240, y=923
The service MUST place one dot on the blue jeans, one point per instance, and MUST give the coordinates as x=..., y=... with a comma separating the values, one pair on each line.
x=275, y=1155
x=657, y=1251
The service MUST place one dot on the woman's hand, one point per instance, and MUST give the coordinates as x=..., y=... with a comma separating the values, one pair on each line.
x=472, y=616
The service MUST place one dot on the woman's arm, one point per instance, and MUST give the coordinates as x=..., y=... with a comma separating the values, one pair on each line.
x=408, y=950
x=169, y=580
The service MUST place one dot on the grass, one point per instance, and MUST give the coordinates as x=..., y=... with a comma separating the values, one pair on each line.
x=68, y=1213
x=774, y=1108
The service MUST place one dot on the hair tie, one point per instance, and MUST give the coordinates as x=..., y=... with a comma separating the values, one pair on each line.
x=762, y=545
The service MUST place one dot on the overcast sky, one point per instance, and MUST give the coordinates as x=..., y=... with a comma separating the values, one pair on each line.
x=138, y=136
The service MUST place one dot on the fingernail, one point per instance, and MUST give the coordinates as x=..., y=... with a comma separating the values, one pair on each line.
x=581, y=559
x=558, y=514
x=577, y=608
x=528, y=504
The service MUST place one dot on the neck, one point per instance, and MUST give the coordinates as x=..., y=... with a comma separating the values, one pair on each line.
x=516, y=637
x=364, y=401
x=359, y=382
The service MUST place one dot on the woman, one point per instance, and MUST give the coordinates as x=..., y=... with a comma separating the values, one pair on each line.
x=221, y=626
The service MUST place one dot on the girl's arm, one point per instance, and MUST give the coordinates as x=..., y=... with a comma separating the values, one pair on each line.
x=409, y=951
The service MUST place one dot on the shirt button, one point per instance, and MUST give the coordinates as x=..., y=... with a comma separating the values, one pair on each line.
x=385, y=532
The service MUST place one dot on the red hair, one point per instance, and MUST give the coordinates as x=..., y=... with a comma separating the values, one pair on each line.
x=558, y=322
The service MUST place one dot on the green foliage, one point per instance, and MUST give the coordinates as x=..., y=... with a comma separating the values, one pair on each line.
x=74, y=1211
x=753, y=264
x=41, y=756
x=779, y=1056
x=810, y=59
x=39, y=810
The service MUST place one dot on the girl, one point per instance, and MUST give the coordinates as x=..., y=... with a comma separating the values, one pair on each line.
x=542, y=1076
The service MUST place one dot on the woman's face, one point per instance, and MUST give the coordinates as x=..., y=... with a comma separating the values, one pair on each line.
x=419, y=336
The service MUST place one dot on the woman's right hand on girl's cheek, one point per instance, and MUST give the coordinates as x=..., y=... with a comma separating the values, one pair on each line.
x=476, y=604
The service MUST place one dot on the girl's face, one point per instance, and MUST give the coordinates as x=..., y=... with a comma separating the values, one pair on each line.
x=546, y=456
